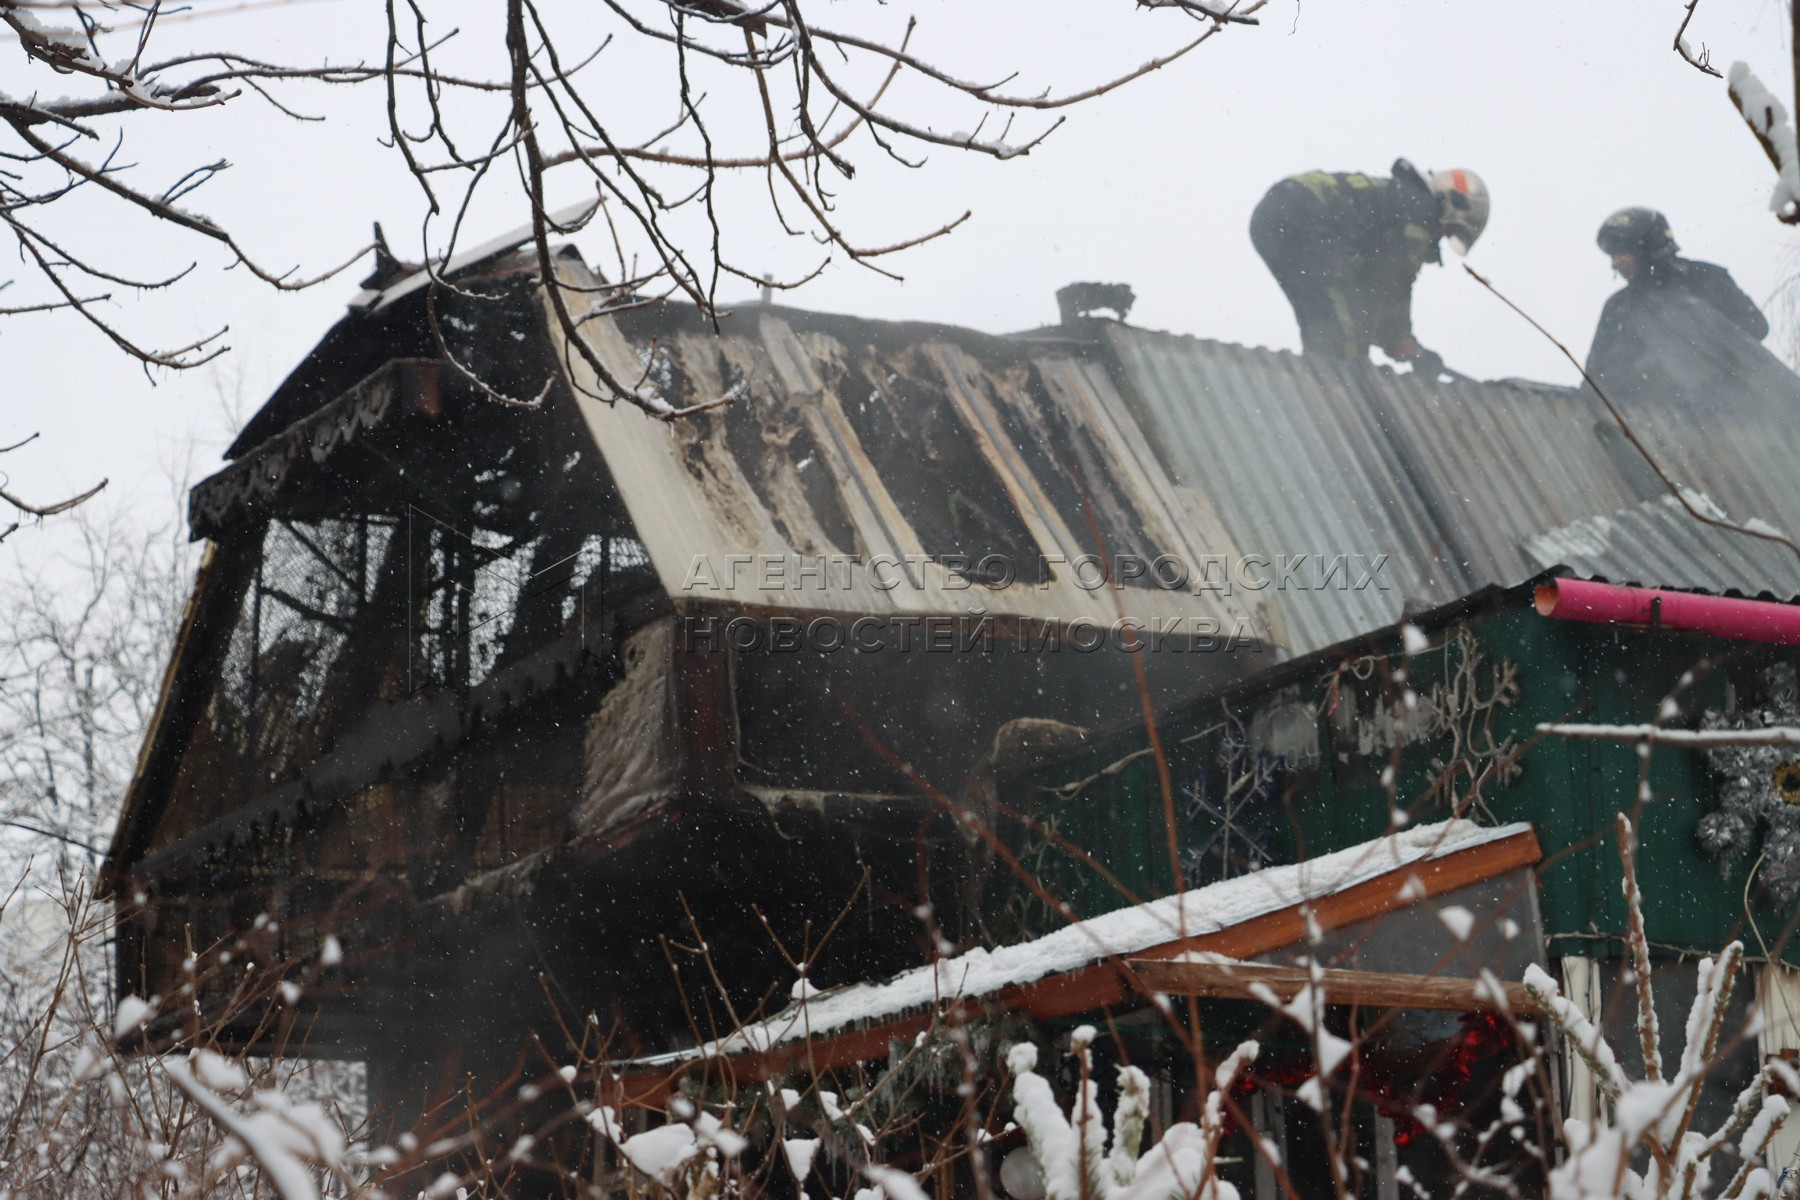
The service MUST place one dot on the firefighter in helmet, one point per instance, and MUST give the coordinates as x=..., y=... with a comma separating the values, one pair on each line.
x=1346, y=248
x=1666, y=299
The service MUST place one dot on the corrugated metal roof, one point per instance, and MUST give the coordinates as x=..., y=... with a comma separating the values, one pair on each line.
x=1496, y=463
x=1658, y=543
x=1463, y=485
x=1291, y=457
x=1743, y=457
x=1296, y=459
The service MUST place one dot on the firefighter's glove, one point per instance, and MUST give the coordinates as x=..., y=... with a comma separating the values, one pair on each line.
x=1428, y=364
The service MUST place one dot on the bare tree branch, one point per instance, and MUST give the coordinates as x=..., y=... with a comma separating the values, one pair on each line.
x=758, y=89
x=1701, y=61
x=40, y=511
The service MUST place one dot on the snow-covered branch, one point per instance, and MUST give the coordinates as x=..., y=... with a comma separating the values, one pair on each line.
x=1647, y=1146
x=1700, y=60
x=1768, y=119
x=1071, y=1150
x=1657, y=735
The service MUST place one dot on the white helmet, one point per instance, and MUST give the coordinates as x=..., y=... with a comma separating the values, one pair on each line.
x=1463, y=200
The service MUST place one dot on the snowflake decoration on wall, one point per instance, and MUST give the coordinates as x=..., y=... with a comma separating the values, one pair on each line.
x=1761, y=792
x=1232, y=810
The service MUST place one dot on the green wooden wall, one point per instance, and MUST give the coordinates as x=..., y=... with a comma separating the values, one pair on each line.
x=1569, y=791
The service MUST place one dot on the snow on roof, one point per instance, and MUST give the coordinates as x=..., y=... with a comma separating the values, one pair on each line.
x=1657, y=543
x=373, y=300
x=1128, y=931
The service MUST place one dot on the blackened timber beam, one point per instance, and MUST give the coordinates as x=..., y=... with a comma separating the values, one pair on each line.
x=1367, y=989
x=218, y=589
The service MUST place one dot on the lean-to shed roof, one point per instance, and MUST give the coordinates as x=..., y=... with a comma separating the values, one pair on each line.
x=1082, y=966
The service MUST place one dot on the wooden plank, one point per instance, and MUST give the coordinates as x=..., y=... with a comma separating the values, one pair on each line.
x=880, y=525
x=960, y=374
x=1108, y=982
x=1374, y=898
x=1370, y=989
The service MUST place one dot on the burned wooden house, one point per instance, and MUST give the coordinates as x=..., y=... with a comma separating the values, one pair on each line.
x=1392, y=801
x=492, y=692
x=507, y=699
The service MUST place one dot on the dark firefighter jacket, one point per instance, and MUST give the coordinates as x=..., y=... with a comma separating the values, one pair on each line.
x=1680, y=355
x=1346, y=248
x=1683, y=335
x=1669, y=301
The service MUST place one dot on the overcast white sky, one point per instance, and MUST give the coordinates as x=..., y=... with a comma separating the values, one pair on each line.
x=1569, y=111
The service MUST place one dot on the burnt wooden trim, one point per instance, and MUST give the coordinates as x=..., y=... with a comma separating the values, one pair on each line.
x=218, y=587
x=244, y=491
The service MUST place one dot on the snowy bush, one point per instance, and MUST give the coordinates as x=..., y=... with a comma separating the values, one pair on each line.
x=1072, y=1151
x=1649, y=1146
x=148, y=1100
